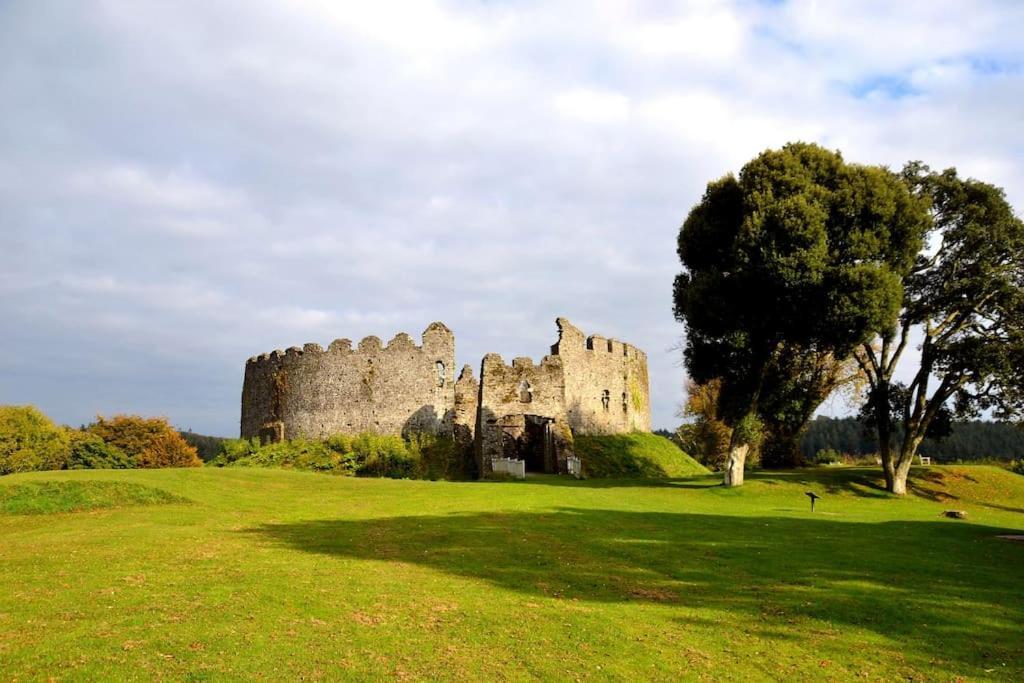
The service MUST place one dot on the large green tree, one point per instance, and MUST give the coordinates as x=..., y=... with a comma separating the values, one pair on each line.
x=965, y=297
x=801, y=253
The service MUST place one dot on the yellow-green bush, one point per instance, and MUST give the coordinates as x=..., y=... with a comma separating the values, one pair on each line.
x=29, y=440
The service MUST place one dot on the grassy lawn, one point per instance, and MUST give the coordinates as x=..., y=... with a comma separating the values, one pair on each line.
x=294, y=575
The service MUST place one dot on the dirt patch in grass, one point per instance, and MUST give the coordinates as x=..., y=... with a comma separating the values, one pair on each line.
x=40, y=498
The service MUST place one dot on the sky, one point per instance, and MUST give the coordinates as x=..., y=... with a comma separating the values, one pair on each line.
x=185, y=185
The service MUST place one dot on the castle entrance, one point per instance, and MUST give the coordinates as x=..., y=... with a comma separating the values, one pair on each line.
x=537, y=445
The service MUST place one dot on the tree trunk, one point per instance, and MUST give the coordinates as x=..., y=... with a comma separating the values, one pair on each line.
x=894, y=483
x=889, y=468
x=898, y=484
x=734, y=465
x=901, y=468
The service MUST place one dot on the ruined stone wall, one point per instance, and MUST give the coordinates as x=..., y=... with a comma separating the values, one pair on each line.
x=607, y=389
x=509, y=394
x=313, y=393
x=467, y=396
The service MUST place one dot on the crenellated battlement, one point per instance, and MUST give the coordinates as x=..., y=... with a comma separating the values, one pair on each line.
x=436, y=335
x=312, y=392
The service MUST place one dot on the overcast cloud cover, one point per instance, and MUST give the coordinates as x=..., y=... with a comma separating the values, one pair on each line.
x=184, y=185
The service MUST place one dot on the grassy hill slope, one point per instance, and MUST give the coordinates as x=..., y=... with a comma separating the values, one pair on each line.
x=638, y=454
x=299, y=575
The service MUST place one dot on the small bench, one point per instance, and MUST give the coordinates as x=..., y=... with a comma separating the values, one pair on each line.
x=925, y=460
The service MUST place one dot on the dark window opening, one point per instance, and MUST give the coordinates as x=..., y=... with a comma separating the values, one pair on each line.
x=625, y=402
x=606, y=399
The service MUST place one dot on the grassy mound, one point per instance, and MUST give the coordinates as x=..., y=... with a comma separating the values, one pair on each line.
x=37, y=498
x=638, y=454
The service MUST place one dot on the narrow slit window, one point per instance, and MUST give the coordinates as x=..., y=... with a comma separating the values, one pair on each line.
x=440, y=374
x=606, y=399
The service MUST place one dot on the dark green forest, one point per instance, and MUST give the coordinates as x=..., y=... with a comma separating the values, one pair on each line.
x=968, y=441
x=973, y=440
x=207, y=446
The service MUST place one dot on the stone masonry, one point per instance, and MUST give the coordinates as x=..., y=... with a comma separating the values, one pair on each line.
x=526, y=410
x=313, y=393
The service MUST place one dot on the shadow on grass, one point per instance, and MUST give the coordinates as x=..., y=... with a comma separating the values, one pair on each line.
x=704, y=481
x=947, y=591
x=866, y=482
x=1005, y=508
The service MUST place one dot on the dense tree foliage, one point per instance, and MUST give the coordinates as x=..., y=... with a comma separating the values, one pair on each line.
x=965, y=295
x=800, y=254
x=29, y=440
x=148, y=441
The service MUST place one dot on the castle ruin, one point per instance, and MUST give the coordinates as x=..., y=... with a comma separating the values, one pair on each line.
x=525, y=411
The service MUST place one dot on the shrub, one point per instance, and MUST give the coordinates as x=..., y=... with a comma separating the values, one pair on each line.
x=341, y=443
x=148, y=441
x=423, y=456
x=828, y=456
x=441, y=458
x=384, y=455
x=89, y=452
x=169, y=450
x=30, y=441
x=316, y=456
x=1017, y=466
x=233, y=450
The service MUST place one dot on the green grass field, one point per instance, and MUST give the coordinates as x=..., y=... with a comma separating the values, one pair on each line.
x=297, y=575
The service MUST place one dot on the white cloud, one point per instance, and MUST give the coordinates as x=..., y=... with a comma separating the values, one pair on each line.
x=713, y=33
x=592, y=106
x=133, y=184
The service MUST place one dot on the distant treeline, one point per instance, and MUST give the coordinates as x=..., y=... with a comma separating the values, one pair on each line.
x=207, y=446
x=974, y=440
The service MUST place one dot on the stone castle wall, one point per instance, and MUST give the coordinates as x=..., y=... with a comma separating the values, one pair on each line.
x=515, y=402
x=313, y=393
x=526, y=410
x=606, y=383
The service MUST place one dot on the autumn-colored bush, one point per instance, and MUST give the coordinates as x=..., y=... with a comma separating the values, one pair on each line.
x=30, y=441
x=148, y=441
